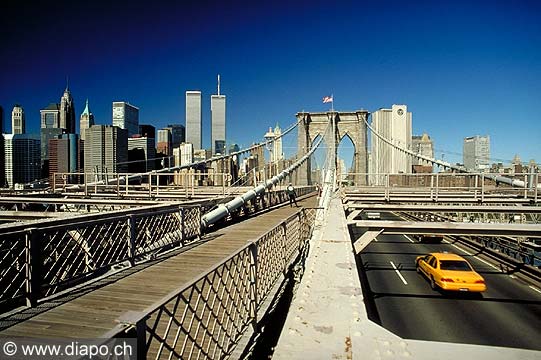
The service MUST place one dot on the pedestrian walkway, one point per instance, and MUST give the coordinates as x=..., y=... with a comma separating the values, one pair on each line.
x=94, y=313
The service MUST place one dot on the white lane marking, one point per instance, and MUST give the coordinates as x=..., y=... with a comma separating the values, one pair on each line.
x=512, y=276
x=399, y=274
x=376, y=239
x=446, y=241
x=461, y=249
x=478, y=258
x=407, y=237
x=534, y=289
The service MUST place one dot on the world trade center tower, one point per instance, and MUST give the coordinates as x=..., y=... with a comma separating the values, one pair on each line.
x=193, y=119
x=217, y=112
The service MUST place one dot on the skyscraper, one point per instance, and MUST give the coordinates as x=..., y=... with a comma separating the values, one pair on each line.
x=22, y=158
x=64, y=155
x=47, y=134
x=395, y=125
x=126, y=116
x=18, y=125
x=2, y=159
x=50, y=116
x=67, y=112
x=50, y=129
x=217, y=113
x=106, y=149
x=476, y=153
x=163, y=142
x=147, y=131
x=193, y=119
x=178, y=134
x=86, y=120
x=143, y=149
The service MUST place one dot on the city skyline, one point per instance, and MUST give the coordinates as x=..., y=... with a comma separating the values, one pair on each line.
x=485, y=71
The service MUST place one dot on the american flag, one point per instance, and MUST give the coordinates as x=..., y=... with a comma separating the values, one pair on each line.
x=327, y=99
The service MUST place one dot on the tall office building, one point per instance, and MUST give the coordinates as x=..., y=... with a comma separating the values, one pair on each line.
x=2, y=159
x=178, y=134
x=476, y=153
x=86, y=120
x=18, y=125
x=50, y=129
x=67, y=112
x=46, y=135
x=106, y=149
x=141, y=153
x=163, y=142
x=147, y=131
x=422, y=145
x=217, y=114
x=22, y=158
x=126, y=116
x=193, y=119
x=395, y=125
x=50, y=116
x=64, y=155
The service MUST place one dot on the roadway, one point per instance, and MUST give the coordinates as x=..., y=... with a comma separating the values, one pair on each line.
x=508, y=314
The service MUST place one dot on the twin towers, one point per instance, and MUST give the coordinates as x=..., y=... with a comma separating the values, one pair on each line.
x=193, y=120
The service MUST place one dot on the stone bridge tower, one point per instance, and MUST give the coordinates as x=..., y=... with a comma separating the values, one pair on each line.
x=351, y=124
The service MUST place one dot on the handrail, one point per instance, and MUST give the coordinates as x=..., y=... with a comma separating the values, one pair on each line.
x=218, y=321
x=50, y=256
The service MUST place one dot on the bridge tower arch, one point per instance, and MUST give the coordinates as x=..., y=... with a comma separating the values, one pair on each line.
x=312, y=124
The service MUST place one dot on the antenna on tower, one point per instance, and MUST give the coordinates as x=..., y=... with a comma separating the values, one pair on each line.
x=218, y=84
x=67, y=82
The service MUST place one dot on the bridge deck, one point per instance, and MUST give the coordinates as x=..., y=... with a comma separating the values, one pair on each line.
x=93, y=314
x=328, y=317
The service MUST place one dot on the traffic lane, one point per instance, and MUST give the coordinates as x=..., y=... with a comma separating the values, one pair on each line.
x=415, y=311
x=499, y=284
x=382, y=259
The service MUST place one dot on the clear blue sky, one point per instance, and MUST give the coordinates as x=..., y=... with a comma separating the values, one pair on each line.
x=462, y=67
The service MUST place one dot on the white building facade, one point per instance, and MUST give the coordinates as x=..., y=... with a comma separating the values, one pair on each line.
x=193, y=119
x=394, y=125
x=126, y=116
x=476, y=153
x=18, y=125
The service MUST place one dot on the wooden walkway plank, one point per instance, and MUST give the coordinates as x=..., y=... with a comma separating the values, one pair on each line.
x=92, y=314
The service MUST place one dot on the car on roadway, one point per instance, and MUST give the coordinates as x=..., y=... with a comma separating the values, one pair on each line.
x=428, y=238
x=373, y=215
x=450, y=272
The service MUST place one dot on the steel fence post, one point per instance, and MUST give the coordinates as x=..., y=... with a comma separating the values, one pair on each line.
x=132, y=236
x=284, y=246
x=182, y=225
x=482, y=188
x=141, y=333
x=253, y=283
x=33, y=268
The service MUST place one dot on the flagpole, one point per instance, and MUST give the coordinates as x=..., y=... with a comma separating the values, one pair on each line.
x=332, y=103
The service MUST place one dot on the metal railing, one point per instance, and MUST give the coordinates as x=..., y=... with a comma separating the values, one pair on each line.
x=478, y=185
x=53, y=255
x=207, y=317
x=152, y=182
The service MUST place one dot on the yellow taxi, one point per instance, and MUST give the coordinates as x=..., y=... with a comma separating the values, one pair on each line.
x=449, y=272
